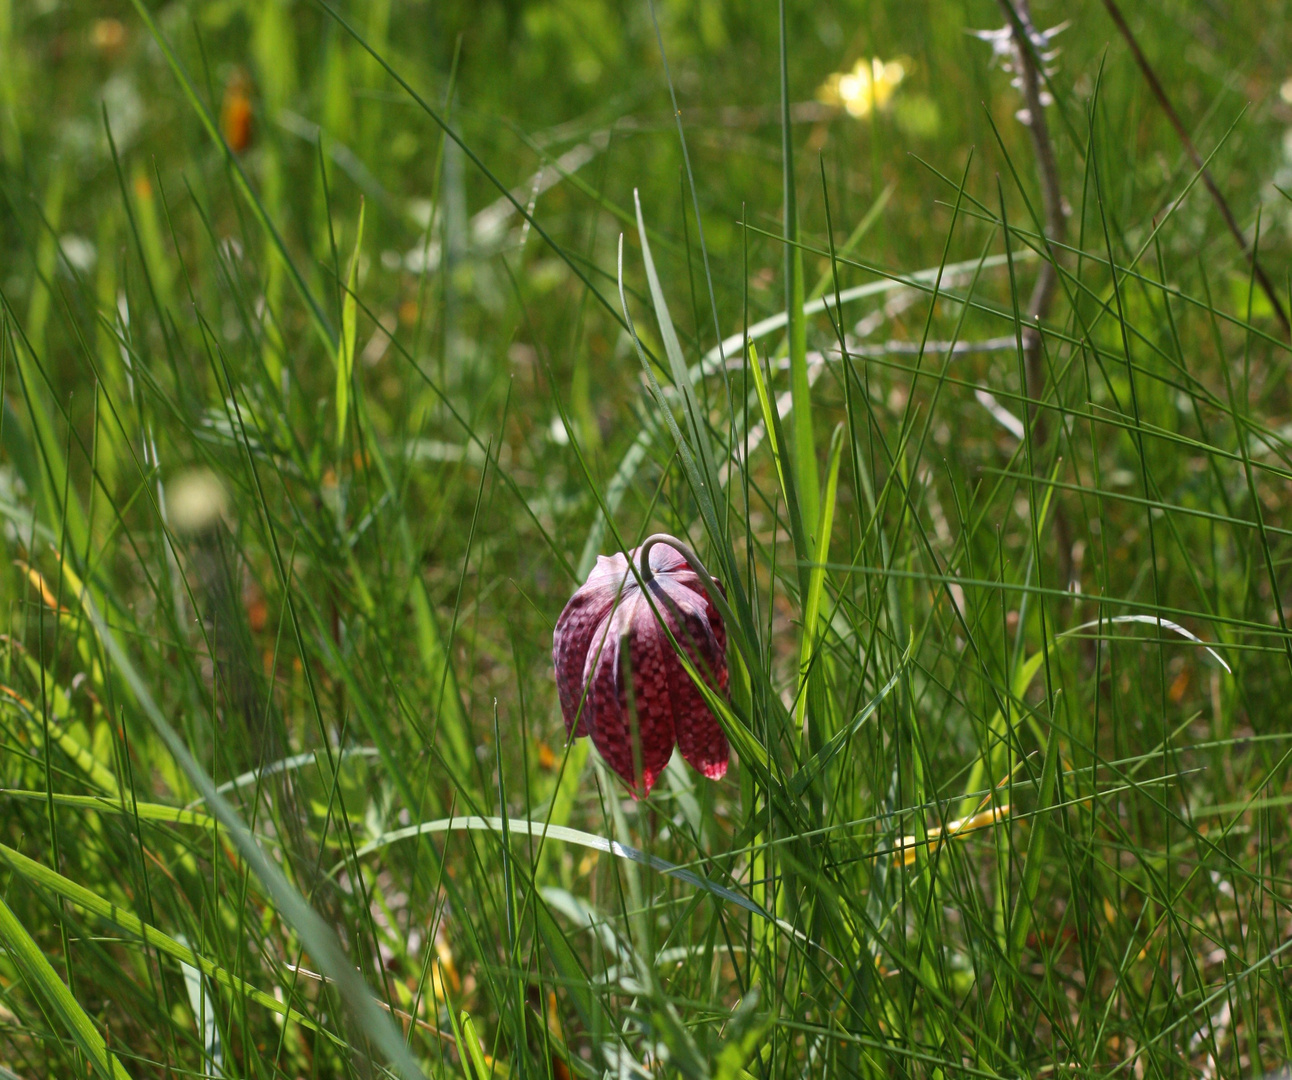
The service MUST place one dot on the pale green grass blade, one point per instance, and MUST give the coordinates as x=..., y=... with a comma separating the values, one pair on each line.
x=349, y=329
x=38, y=972
x=41, y=876
x=563, y=834
x=816, y=575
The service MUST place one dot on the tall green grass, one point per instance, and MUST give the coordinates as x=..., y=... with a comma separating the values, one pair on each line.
x=305, y=444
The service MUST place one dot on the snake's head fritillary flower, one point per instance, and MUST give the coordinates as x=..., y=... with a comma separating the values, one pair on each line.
x=620, y=680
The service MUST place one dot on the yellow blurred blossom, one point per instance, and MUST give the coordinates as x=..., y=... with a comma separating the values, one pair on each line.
x=108, y=36
x=867, y=87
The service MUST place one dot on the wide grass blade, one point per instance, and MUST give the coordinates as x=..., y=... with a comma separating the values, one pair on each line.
x=40, y=975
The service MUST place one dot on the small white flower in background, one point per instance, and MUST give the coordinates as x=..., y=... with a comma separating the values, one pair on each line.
x=195, y=500
x=78, y=251
x=121, y=100
x=1004, y=54
x=868, y=87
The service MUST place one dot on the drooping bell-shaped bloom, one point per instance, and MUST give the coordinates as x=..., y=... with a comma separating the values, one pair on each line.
x=639, y=698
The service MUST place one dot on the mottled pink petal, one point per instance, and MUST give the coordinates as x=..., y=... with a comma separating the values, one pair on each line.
x=629, y=708
x=720, y=639
x=576, y=635
x=699, y=736
x=672, y=568
x=667, y=560
x=610, y=572
x=640, y=700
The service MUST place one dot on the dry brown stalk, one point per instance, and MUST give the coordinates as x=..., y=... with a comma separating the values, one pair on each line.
x=1150, y=76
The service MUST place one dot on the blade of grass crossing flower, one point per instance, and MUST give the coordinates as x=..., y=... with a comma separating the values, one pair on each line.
x=742, y=631
x=755, y=756
x=349, y=328
x=39, y=974
x=816, y=576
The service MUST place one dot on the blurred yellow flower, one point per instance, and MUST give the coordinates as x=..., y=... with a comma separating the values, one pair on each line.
x=867, y=87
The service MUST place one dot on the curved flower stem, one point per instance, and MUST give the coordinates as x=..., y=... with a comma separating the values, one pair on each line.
x=716, y=595
x=682, y=548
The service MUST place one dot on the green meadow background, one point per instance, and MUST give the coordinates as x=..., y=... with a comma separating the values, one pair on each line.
x=337, y=339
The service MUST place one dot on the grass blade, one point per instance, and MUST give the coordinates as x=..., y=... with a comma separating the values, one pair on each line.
x=349, y=328
x=38, y=972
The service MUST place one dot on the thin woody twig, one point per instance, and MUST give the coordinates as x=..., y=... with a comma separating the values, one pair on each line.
x=1019, y=17
x=1158, y=92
